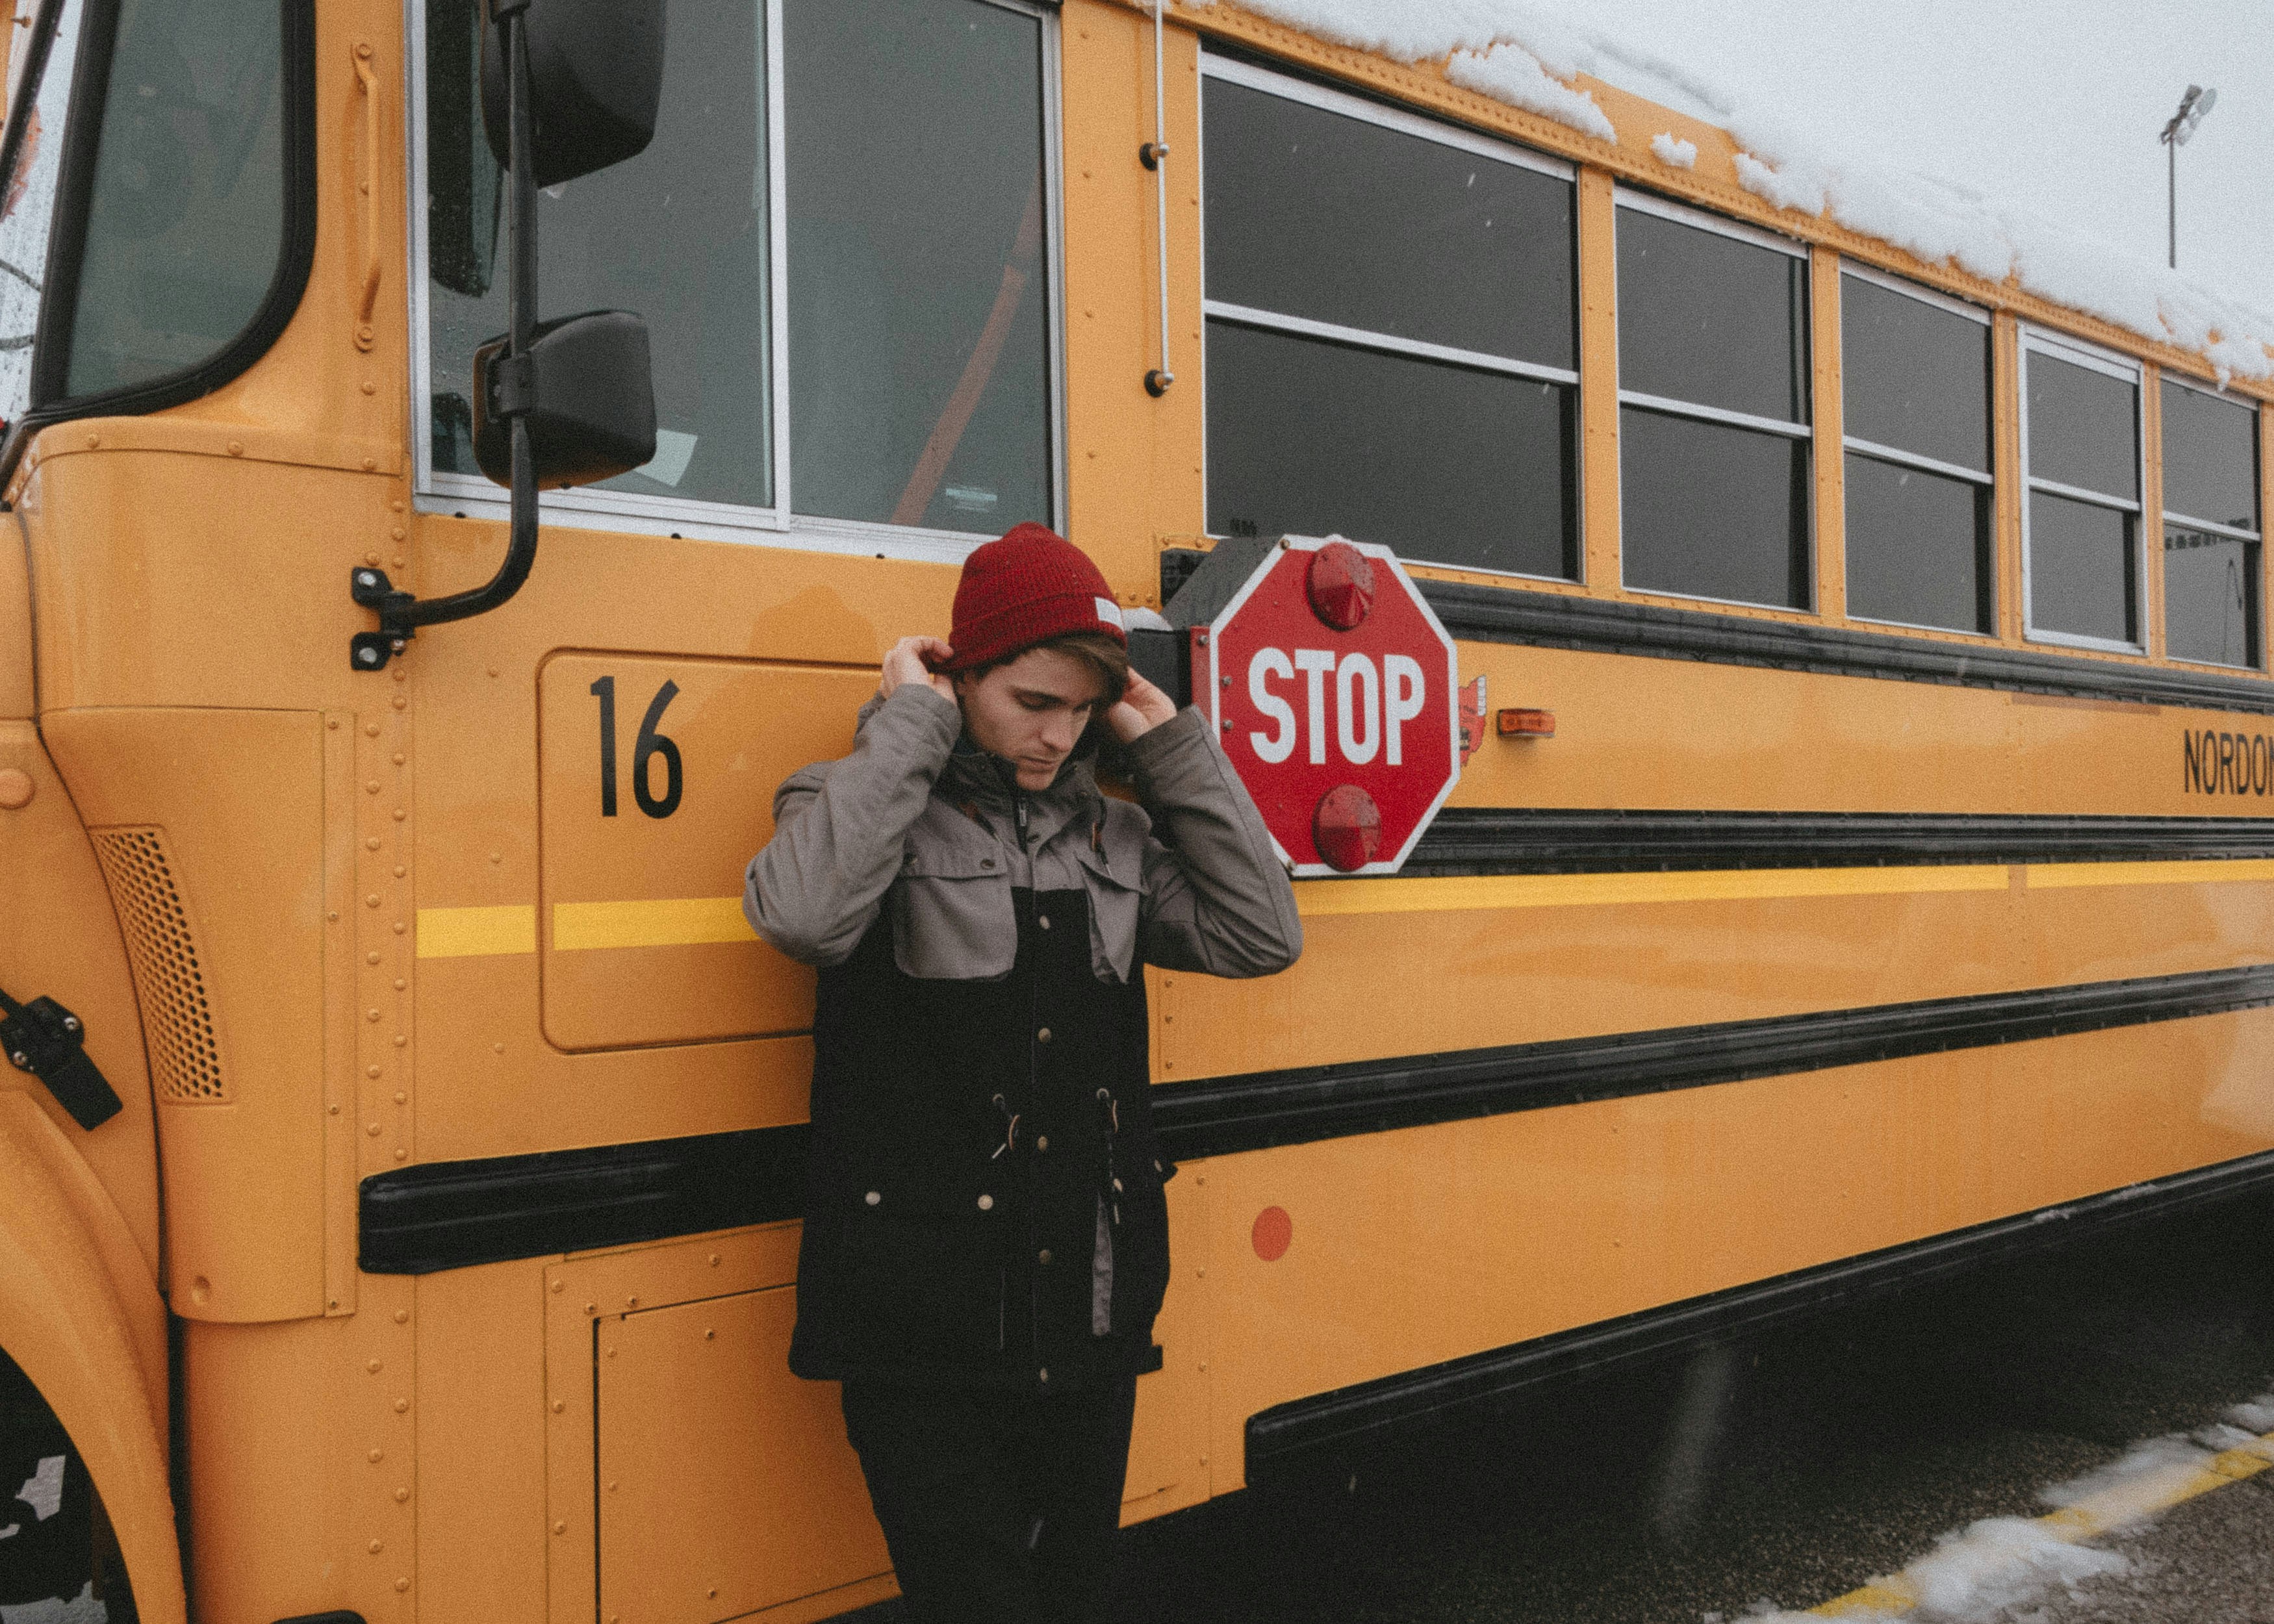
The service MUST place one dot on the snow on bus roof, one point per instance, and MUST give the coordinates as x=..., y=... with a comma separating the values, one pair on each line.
x=1527, y=57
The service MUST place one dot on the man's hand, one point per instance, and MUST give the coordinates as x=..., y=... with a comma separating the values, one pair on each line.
x=910, y=661
x=1143, y=708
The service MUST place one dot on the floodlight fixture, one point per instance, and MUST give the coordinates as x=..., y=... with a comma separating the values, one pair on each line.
x=2194, y=107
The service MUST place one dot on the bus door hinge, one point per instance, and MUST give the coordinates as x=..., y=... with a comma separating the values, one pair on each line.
x=47, y=1041
x=370, y=588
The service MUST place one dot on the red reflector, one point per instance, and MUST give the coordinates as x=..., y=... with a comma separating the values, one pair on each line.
x=1273, y=1233
x=1340, y=581
x=1524, y=724
x=1346, y=828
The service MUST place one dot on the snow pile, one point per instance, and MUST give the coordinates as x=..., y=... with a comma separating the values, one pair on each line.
x=1511, y=74
x=1976, y=1576
x=1672, y=149
x=2001, y=1562
x=2256, y=1415
x=1527, y=56
x=2149, y=1477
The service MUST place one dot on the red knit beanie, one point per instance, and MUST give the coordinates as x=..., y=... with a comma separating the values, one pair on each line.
x=1025, y=587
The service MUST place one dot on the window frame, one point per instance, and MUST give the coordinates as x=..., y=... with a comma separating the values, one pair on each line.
x=690, y=518
x=2060, y=346
x=1704, y=219
x=1878, y=452
x=2167, y=516
x=1233, y=70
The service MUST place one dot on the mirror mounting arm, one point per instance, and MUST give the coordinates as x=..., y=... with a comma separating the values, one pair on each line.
x=400, y=613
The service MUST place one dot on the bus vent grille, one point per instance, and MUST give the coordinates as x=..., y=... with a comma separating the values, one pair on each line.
x=177, y=1019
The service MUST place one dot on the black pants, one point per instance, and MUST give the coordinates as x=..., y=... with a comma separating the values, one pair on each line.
x=997, y=1507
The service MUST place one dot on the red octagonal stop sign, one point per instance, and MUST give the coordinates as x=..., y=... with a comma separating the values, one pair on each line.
x=1334, y=691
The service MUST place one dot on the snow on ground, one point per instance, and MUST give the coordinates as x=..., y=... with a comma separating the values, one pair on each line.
x=2256, y=1415
x=1986, y=1570
x=80, y=1609
x=1978, y=1575
x=1525, y=55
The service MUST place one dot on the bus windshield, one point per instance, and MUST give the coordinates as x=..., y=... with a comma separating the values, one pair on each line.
x=27, y=208
x=176, y=169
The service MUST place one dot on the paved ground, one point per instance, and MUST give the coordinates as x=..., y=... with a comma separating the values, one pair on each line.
x=1788, y=1471
x=2211, y=1559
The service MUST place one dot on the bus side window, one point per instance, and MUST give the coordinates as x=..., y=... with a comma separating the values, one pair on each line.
x=1915, y=374
x=919, y=328
x=1392, y=330
x=2211, y=532
x=914, y=220
x=678, y=234
x=2081, y=457
x=1714, y=466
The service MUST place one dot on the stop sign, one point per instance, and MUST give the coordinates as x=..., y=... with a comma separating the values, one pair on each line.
x=1333, y=690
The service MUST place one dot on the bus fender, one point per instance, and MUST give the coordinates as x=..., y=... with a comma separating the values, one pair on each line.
x=63, y=1321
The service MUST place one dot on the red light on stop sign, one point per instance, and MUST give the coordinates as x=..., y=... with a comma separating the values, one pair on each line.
x=1347, y=828
x=1340, y=585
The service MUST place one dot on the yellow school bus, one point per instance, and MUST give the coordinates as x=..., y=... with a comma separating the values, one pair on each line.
x=399, y=1184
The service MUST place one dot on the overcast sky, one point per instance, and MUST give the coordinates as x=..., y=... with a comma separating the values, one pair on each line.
x=2056, y=106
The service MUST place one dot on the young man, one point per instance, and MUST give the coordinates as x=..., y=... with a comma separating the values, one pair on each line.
x=986, y=1243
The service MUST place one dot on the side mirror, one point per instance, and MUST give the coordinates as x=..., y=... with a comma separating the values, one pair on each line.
x=568, y=86
x=595, y=83
x=586, y=390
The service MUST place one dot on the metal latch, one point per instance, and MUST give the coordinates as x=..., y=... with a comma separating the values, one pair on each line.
x=46, y=1040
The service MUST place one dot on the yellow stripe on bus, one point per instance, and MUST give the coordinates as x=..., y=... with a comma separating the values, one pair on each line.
x=1317, y=898
x=676, y=923
x=475, y=933
x=2055, y=876
x=684, y=922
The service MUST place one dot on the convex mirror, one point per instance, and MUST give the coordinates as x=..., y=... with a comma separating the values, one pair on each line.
x=595, y=83
x=591, y=402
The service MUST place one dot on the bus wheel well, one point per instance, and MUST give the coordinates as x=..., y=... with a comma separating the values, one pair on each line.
x=55, y=1541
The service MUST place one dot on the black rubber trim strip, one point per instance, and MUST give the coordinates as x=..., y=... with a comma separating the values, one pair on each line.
x=452, y=1215
x=1525, y=840
x=1220, y=1115
x=1324, y=1431
x=1500, y=614
x=295, y=260
x=1549, y=620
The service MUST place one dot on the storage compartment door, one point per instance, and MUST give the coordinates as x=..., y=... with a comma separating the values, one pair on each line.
x=725, y=1484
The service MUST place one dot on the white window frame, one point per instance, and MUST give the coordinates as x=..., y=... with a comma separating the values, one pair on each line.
x=1232, y=71
x=2173, y=518
x=2113, y=364
x=1900, y=458
x=780, y=525
x=1699, y=219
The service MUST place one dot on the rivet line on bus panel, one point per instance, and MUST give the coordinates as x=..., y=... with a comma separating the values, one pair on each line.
x=382, y=1338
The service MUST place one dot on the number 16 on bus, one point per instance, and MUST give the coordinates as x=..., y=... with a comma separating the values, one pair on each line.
x=1334, y=689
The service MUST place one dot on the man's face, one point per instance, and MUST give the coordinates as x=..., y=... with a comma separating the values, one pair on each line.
x=1031, y=711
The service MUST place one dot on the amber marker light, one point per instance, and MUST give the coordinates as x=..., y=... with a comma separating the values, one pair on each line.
x=1524, y=724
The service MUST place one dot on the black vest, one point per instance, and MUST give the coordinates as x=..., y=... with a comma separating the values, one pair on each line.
x=966, y=1136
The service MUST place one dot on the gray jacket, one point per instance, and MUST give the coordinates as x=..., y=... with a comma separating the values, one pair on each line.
x=911, y=825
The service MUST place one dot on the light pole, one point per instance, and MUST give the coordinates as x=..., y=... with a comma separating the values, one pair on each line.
x=2192, y=106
